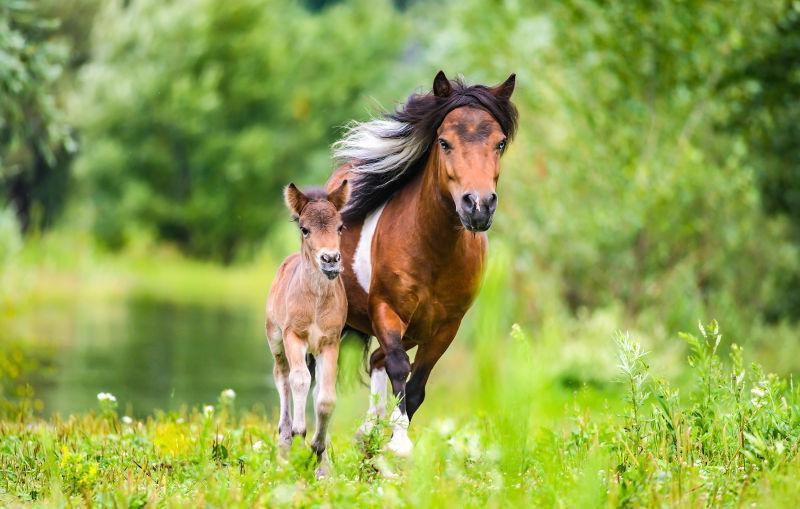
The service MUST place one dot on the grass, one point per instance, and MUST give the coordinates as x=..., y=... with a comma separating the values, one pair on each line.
x=731, y=440
x=561, y=414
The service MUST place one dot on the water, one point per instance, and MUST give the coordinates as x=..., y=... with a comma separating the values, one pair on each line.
x=152, y=355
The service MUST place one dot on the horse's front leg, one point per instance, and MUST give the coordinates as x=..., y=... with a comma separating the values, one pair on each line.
x=299, y=379
x=389, y=329
x=428, y=354
x=324, y=402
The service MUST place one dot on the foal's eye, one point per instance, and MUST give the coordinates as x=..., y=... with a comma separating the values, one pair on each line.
x=501, y=146
x=340, y=228
x=444, y=144
x=305, y=231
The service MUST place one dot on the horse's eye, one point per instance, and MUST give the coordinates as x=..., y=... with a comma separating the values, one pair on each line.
x=444, y=144
x=340, y=228
x=501, y=146
x=305, y=231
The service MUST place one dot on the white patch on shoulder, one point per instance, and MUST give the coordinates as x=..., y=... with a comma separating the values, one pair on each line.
x=362, y=261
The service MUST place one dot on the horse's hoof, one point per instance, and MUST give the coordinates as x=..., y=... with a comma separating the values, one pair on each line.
x=364, y=430
x=400, y=445
x=322, y=472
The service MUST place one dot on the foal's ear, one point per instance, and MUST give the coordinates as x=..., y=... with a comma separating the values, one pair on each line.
x=340, y=196
x=506, y=88
x=441, y=85
x=295, y=199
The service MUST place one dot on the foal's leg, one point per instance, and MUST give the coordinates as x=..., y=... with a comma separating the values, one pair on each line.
x=280, y=372
x=324, y=402
x=389, y=329
x=299, y=379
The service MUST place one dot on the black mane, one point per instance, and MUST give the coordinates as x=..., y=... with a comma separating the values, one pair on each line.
x=418, y=119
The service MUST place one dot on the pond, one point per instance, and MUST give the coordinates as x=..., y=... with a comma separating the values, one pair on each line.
x=151, y=354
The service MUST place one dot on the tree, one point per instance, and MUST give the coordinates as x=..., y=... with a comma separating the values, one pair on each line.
x=195, y=113
x=35, y=141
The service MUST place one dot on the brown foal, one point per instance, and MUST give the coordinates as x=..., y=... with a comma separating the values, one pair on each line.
x=424, y=190
x=306, y=311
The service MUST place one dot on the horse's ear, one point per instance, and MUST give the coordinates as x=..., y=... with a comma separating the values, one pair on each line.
x=441, y=85
x=340, y=196
x=506, y=88
x=295, y=200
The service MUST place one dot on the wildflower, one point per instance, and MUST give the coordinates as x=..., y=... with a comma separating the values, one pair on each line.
x=258, y=445
x=208, y=410
x=127, y=420
x=219, y=437
x=228, y=395
x=106, y=396
x=779, y=447
x=758, y=392
x=446, y=426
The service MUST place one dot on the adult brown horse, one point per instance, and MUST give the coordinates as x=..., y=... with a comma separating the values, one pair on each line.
x=423, y=183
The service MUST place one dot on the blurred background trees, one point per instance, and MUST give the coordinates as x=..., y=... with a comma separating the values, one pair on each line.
x=656, y=172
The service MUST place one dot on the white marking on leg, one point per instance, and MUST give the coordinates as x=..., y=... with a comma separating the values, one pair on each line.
x=400, y=444
x=378, y=384
x=362, y=261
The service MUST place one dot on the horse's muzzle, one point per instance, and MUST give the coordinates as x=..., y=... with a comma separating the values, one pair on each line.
x=476, y=211
x=331, y=271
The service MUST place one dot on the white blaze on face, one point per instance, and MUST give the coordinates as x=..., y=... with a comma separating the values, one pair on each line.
x=362, y=261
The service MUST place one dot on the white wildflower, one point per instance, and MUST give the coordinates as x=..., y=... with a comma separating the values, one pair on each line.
x=446, y=426
x=779, y=447
x=219, y=437
x=758, y=392
x=127, y=420
x=228, y=395
x=208, y=410
x=106, y=396
x=258, y=445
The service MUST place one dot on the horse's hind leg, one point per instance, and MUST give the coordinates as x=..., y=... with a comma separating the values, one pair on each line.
x=299, y=379
x=280, y=372
x=324, y=402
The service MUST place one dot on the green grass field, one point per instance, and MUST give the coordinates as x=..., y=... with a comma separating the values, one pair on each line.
x=510, y=435
x=563, y=414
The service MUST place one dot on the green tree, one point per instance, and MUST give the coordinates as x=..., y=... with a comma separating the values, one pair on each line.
x=35, y=140
x=196, y=113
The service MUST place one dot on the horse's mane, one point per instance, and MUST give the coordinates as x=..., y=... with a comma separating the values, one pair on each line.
x=387, y=152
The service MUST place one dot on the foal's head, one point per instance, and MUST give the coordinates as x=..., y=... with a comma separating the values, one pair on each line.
x=317, y=215
x=469, y=145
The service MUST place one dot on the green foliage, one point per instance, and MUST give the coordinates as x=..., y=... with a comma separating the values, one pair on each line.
x=35, y=139
x=194, y=133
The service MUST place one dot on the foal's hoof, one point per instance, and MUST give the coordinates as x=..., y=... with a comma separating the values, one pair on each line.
x=400, y=445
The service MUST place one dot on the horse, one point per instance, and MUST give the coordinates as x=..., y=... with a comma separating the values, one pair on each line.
x=423, y=182
x=305, y=313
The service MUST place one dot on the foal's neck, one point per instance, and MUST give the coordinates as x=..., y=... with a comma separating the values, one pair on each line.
x=312, y=279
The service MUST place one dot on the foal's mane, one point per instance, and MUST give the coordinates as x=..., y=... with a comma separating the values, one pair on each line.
x=387, y=152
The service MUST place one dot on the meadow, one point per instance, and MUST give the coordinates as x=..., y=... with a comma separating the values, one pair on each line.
x=563, y=415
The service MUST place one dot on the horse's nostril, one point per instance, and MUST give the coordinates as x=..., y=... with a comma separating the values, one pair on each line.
x=492, y=198
x=469, y=201
x=337, y=257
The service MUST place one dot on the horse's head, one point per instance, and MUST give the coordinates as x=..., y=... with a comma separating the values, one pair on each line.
x=469, y=145
x=317, y=215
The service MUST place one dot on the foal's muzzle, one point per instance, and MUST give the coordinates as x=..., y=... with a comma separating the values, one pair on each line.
x=476, y=212
x=330, y=264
